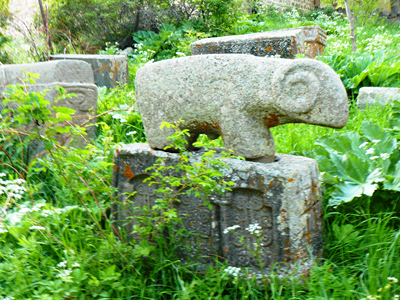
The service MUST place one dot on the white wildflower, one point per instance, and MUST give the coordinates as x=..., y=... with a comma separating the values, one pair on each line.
x=232, y=228
x=48, y=212
x=131, y=132
x=69, y=207
x=232, y=271
x=393, y=279
x=76, y=265
x=374, y=157
x=384, y=155
x=117, y=116
x=254, y=229
x=376, y=141
x=363, y=145
x=180, y=54
x=62, y=264
x=34, y=227
x=64, y=273
x=12, y=188
x=370, y=151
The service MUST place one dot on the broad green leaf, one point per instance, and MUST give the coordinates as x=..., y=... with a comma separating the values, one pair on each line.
x=345, y=192
x=384, y=141
x=343, y=143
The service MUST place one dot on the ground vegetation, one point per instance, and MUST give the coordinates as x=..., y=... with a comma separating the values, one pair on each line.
x=58, y=240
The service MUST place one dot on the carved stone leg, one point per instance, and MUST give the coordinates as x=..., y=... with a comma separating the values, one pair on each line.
x=247, y=136
x=156, y=137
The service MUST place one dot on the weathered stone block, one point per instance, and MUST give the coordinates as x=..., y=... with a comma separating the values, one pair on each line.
x=377, y=95
x=283, y=197
x=74, y=76
x=239, y=97
x=109, y=70
x=308, y=40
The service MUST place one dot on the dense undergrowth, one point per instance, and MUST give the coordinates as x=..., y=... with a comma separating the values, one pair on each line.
x=56, y=237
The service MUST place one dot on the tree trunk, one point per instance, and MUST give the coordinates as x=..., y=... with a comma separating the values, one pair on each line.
x=46, y=27
x=352, y=29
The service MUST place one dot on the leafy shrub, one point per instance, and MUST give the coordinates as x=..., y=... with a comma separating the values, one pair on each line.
x=4, y=15
x=168, y=43
x=381, y=69
x=4, y=57
x=249, y=24
x=96, y=22
x=355, y=165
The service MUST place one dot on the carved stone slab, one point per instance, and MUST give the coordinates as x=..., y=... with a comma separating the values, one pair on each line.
x=239, y=97
x=308, y=40
x=377, y=95
x=282, y=197
x=74, y=76
x=109, y=70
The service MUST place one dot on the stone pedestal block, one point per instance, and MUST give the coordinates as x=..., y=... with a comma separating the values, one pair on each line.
x=109, y=70
x=282, y=197
x=377, y=95
x=286, y=43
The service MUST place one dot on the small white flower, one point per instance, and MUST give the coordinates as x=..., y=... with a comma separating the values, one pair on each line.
x=393, y=279
x=62, y=264
x=384, y=155
x=64, y=273
x=396, y=297
x=117, y=116
x=34, y=227
x=370, y=151
x=376, y=141
x=363, y=145
x=254, y=229
x=232, y=271
x=75, y=265
x=232, y=228
x=46, y=212
x=131, y=132
x=180, y=54
x=374, y=157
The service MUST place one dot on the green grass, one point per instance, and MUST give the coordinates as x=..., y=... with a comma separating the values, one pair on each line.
x=73, y=252
x=302, y=137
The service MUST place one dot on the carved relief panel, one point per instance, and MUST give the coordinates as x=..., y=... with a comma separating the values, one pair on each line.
x=246, y=207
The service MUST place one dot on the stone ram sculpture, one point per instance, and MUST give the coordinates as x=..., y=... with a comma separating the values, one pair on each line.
x=239, y=97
